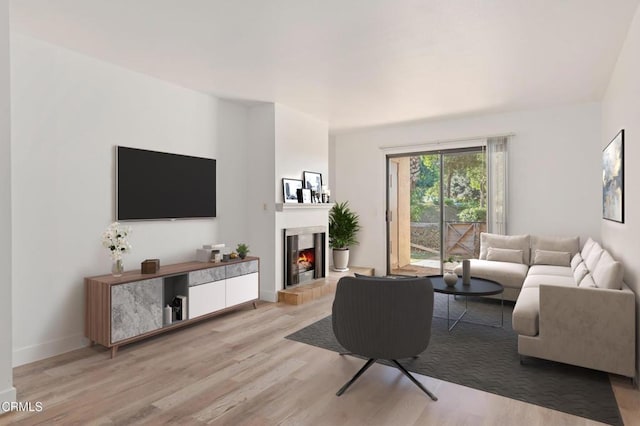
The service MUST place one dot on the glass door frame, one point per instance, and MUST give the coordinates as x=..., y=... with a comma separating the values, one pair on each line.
x=440, y=153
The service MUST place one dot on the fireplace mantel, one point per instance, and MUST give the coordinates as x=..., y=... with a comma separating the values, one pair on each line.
x=300, y=206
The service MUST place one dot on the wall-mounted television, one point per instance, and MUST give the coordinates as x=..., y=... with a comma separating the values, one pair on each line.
x=159, y=185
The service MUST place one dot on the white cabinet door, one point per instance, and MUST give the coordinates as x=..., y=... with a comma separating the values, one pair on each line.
x=206, y=298
x=242, y=289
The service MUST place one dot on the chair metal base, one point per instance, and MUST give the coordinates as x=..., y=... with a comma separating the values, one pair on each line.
x=370, y=363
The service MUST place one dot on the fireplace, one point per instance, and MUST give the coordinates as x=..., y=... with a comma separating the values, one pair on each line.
x=304, y=254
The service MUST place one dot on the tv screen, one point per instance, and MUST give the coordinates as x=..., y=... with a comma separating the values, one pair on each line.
x=158, y=185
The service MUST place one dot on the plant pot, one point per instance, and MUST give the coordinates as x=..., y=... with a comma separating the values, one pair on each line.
x=450, y=278
x=340, y=259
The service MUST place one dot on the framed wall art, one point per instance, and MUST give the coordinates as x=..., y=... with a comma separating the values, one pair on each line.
x=290, y=190
x=613, y=179
x=312, y=181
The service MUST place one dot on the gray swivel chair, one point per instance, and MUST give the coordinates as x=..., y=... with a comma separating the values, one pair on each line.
x=383, y=318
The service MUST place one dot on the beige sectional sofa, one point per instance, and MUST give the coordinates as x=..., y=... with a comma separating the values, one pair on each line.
x=571, y=305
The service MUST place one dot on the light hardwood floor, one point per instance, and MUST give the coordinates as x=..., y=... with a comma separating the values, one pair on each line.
x=238, y=369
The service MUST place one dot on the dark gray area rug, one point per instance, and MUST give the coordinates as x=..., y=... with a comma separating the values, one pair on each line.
x=486, y=358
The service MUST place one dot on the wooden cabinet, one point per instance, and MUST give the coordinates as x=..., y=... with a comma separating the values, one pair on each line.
x=129, y=308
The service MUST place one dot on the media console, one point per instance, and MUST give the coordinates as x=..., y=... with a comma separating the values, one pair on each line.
x=122, y=310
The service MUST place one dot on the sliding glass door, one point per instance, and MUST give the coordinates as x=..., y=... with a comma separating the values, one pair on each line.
x=437, y=207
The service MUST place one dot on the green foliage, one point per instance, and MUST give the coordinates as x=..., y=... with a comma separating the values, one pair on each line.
x=344, y=224
x=242, y=249
x=464, y=187
x=473, y=214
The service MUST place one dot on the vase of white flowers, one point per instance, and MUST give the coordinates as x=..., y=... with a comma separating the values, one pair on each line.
x=115, y=240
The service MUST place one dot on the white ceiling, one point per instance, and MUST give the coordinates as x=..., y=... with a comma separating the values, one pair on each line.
x=353, y=63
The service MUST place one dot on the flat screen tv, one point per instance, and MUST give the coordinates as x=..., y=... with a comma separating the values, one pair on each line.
x=159, y=185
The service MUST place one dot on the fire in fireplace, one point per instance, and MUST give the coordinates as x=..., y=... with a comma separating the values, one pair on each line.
x=304, y=250
x=306, y=261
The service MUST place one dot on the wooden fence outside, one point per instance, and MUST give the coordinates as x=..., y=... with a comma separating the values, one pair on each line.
x=463, y=239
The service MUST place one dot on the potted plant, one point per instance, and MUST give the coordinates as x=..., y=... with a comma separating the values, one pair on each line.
x=242, y=250
x=343, y=226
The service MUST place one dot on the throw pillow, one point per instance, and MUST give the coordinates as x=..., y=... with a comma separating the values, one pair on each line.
x=505, y=255
x=579, y=273
x=608, y=273
x=587, y=248
x=594, y=255
x=548, y=257
x=552, y=243
x=511, y=242
x=587, y=281
x=575, y=261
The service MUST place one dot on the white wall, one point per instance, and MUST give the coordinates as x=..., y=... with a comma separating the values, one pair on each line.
x=7, y=391
x=282, y=143
x=68, y=113
x=261, y=194
x=621, y=110
x=302, y=144
x=554, y=164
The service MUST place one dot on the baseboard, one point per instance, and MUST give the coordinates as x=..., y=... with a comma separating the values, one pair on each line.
x=7, y=395
x=269, y=296
x=48, y=349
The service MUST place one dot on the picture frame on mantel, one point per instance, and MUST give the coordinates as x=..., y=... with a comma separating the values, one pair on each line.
x=613, y=179
x=290, y=190
x=313, y=181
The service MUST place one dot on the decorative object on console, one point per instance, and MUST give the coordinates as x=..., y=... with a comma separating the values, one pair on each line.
x=150, y=266
x=167, y=315
x=242, y=250
x=289, y=190
x=304, y=195
x=325, y=193
x=343, y=226
x=613, y=179
x=209, y=253
x=312, y=181
x=114, y=238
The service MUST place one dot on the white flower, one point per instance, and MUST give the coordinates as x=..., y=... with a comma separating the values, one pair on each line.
x=114, y=238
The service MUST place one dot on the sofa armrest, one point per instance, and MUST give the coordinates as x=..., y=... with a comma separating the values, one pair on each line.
x=591, y=327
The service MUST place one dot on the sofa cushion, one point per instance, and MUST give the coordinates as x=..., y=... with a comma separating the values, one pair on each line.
x=592, y=258
x=526, y=312
x=575, y=261
x=550, y=257
x=513, y=242
x=505, y=255
x=579, y=273
x=534, y=281
x=508, y=274
x=550, y=270
x=543, y=242
x=587, y=281
x=587, y=248
x=608, y=272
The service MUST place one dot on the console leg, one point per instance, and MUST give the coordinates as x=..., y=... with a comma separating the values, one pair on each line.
x=255, y=305
x=114, y=350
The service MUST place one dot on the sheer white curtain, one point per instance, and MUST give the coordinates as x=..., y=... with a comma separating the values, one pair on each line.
x=497, y=184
